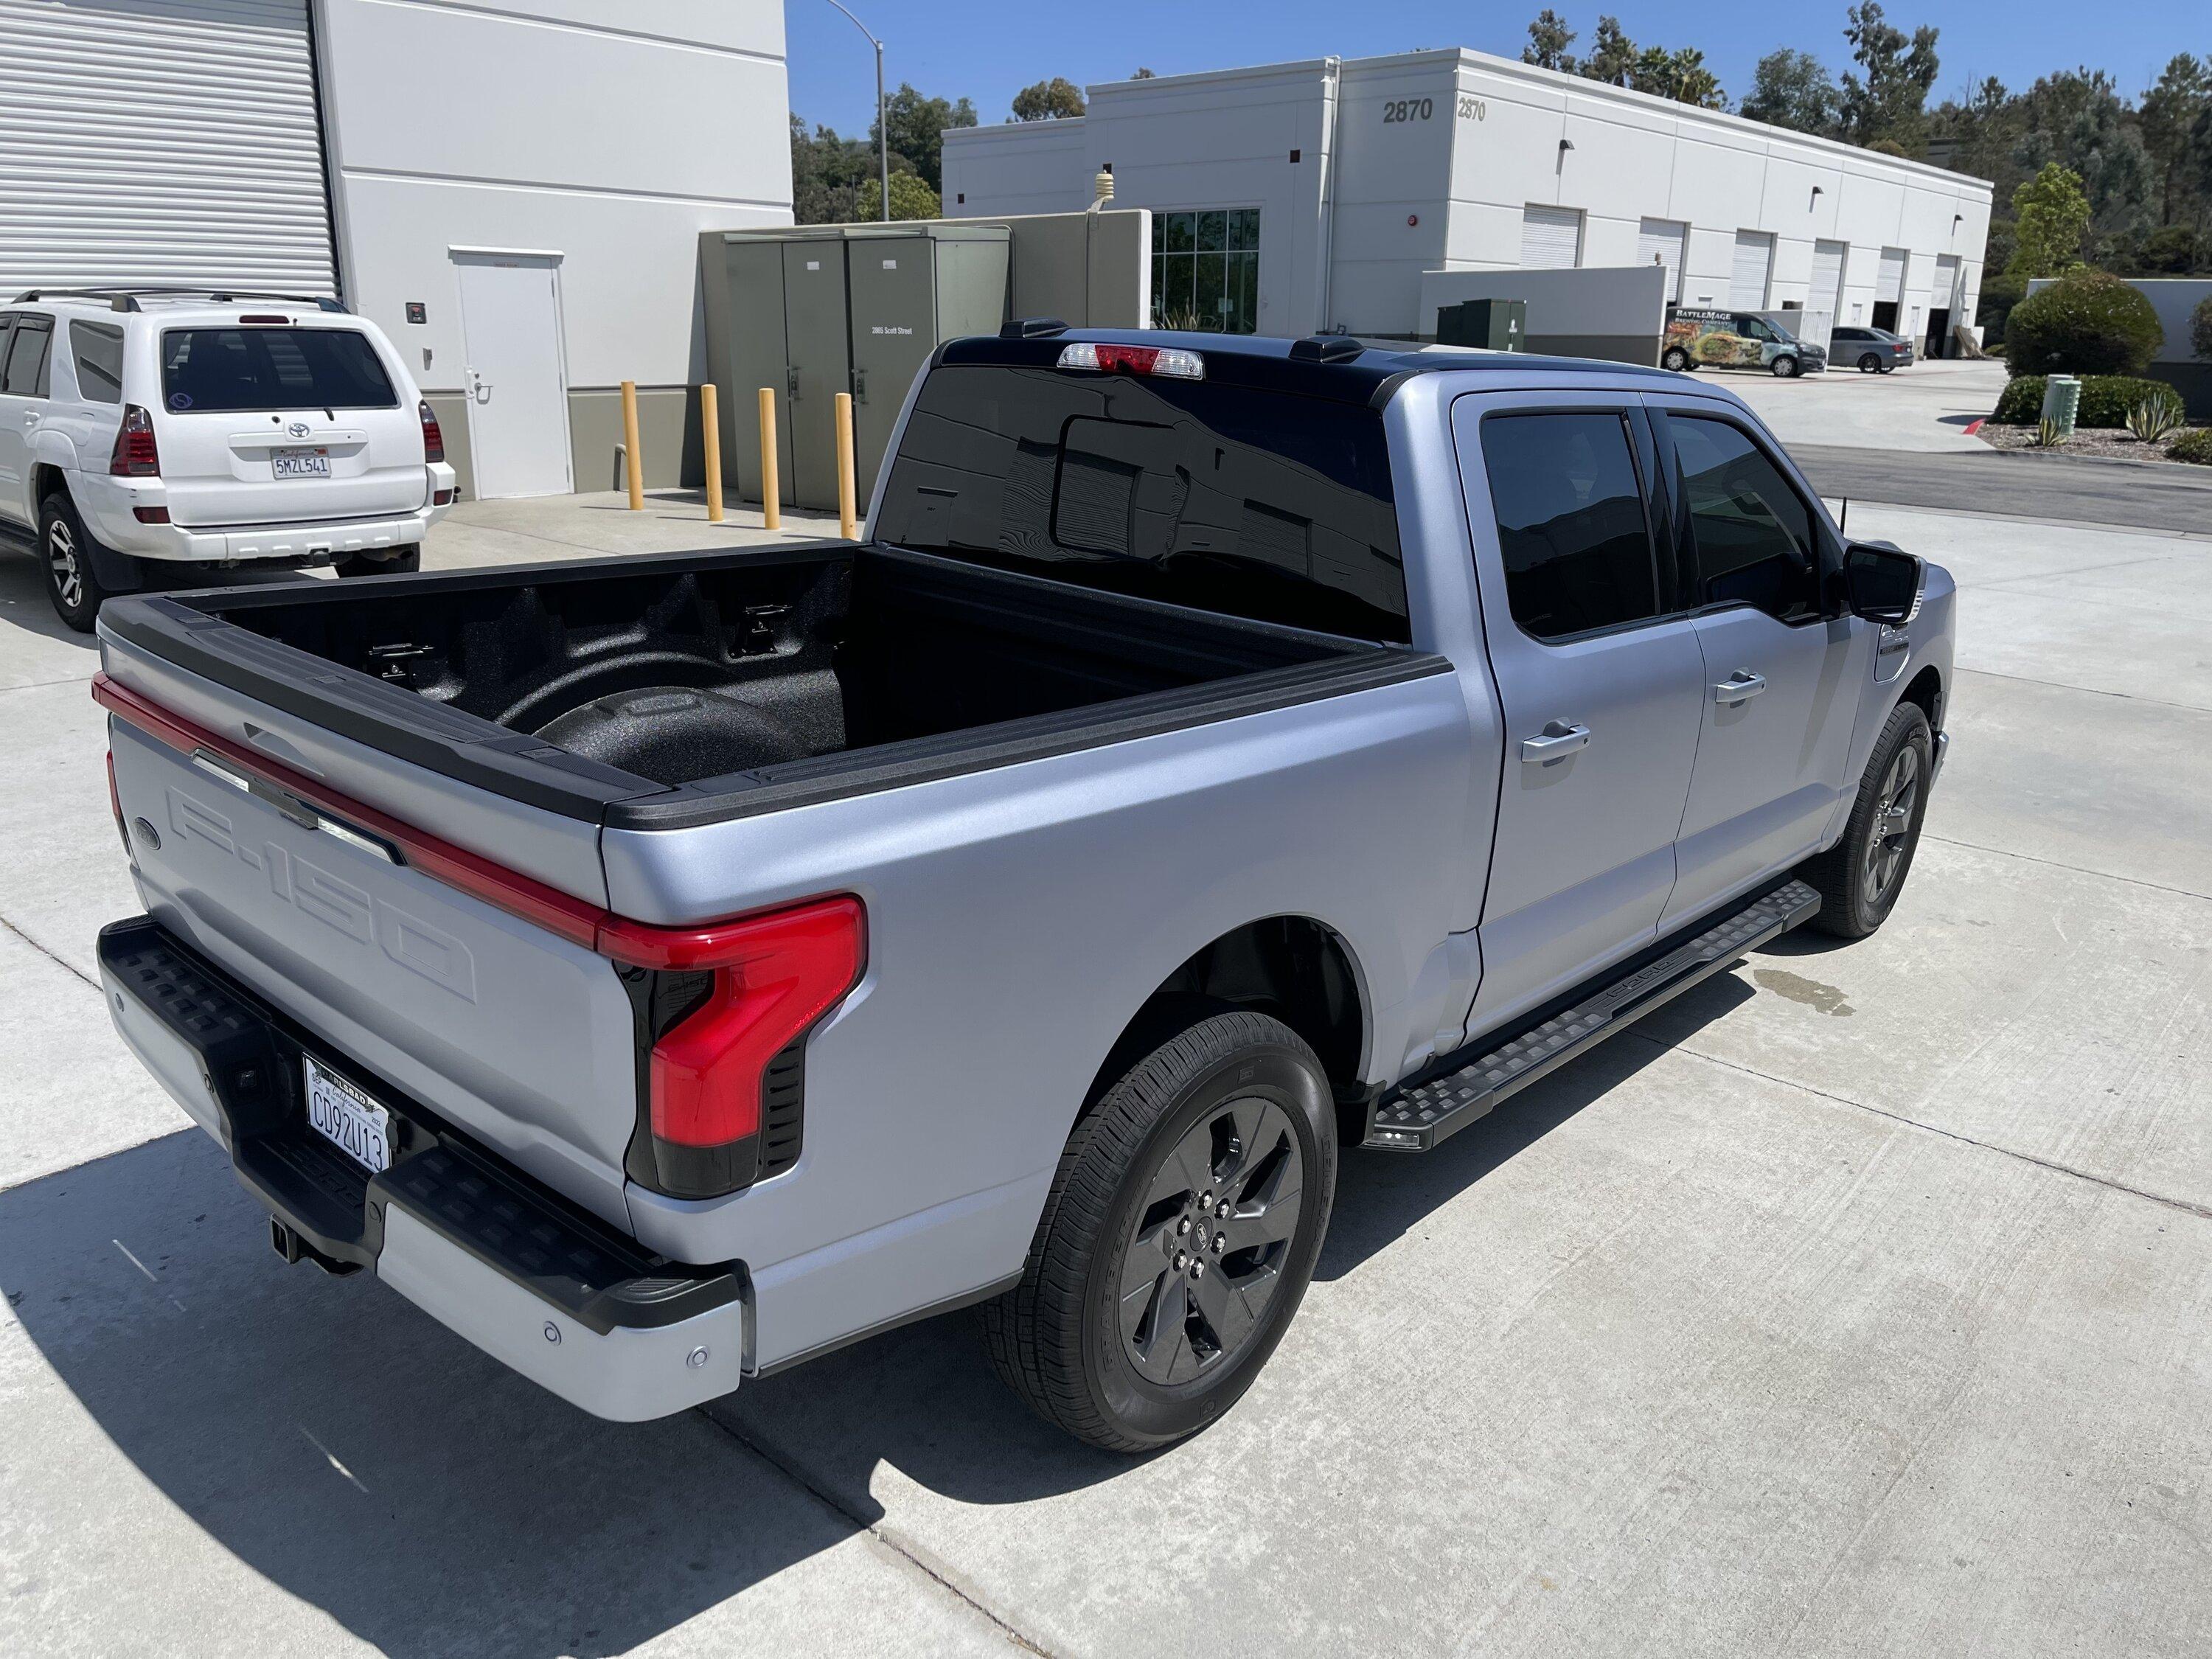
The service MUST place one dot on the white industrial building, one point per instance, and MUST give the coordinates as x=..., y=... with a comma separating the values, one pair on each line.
x=1311, y=196
x=511, y=189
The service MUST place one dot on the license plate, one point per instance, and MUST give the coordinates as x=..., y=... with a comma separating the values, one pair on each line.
x=300, y=463
x=348, y=1118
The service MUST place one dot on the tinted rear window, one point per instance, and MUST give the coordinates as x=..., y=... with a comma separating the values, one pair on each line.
x=229, y=370
x=1275, y=508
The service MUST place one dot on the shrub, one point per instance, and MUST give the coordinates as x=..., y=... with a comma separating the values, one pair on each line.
x=2152, y=419
x=2200, y=328
x=2000, y=294
x=2087, y=323
x=2106, y=400
x=2195, y=446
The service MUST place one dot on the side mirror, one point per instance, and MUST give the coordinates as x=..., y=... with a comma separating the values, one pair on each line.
x=1883, y=584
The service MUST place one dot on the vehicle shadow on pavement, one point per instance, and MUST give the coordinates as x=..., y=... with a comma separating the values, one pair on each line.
x=343, y=1443
x=1382, y=1196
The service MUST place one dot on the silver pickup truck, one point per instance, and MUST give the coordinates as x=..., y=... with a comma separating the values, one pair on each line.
x=1216, y=753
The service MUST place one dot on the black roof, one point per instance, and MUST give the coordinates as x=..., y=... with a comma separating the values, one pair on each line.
x=1353, y=371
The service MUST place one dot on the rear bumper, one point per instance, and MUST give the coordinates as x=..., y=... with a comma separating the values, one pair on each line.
x=108, y=505
x=532, y=1281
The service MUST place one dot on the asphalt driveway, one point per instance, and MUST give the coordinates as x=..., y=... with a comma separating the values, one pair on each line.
x=1856, y=1303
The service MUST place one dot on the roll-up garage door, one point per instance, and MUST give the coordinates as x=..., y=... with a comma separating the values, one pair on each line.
x=1754, y=263
x=161, y=142
x=1662, y=241
x=1827, y=291
x=1889, y=280
x=1551, y=238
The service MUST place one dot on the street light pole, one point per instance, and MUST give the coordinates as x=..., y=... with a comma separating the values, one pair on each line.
x=883, y=127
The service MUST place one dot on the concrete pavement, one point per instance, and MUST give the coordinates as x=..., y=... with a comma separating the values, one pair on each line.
x=1856, y=1303
x=1926, y=409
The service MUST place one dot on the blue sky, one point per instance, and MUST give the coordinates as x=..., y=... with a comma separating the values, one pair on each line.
x=989, y=49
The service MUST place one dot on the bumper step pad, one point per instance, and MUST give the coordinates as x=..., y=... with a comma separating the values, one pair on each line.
x=250, y=1058
x=1415, y=1120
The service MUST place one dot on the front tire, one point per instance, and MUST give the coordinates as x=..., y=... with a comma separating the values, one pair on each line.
x=1786, y=368
x=1179, y=1234
x=1676, y=359
x=1860, y=877
x=65, y=552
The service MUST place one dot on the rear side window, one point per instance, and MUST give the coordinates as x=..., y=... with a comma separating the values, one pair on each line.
x=99, y=349
x=1276, y=507
x=1571, y=522
x=25, y=374
x=226, y=370
x=1753, y=533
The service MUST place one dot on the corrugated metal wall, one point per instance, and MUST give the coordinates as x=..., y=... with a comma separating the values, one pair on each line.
x=160, y=142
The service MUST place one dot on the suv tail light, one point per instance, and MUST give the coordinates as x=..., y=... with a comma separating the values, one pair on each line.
x=728, y=1022
x=136, y=455
x=434, y=441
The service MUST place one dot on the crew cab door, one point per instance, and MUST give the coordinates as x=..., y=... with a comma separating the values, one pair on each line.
x=26, y=347
x=1782, y=673
x=1599, y=678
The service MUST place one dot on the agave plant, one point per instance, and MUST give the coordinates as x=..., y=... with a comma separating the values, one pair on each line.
x=2153, y=419
x=2049, y=434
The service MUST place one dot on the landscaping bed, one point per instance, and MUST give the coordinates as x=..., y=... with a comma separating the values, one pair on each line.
x=2106, y=443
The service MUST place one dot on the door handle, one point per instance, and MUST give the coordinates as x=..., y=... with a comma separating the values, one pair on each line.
x=1559, y=738
x=1738, y=686
x=859, y=385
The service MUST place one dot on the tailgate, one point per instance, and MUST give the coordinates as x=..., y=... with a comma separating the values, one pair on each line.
x=512, y=1033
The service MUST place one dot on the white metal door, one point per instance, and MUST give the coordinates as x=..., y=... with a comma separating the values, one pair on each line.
x=163, y=144
x=517, y=384
x=1889, y=280
x=1662, y=241
x=1551, y=238
x=1754, y=265
x=1827, y=293
x=1946, y=283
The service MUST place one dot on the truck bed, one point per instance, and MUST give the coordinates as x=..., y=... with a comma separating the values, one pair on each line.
x=673, y=691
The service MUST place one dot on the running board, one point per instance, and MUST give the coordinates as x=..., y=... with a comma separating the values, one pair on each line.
x=1415, y=1120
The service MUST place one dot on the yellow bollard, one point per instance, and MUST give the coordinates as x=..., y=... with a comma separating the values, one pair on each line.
x=771, y=509
x=848, y=521
x=633, y=462
x=710, y=422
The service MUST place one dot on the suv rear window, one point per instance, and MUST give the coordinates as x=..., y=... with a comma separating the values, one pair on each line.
x=1273, y=506
x=227, y=370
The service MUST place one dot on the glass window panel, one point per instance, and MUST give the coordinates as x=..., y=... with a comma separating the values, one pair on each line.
x=1244, y=229
x=1755, y=536
x=1177, y=231
x=1213, y=292
x=1571, y=522
x=1213, y=231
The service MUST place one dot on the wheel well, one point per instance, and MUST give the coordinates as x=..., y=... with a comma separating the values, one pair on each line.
x=47, y=479
x=1290, y=967
x=1927, y=690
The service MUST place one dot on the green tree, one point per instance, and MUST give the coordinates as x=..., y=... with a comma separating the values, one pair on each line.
x=1793, y=90
x=1549, y=37
x=1056, y=100
x=2077, y=118
x=911, y=198
x=2050, y=216
x=1614, y=60
x=1679, y=75
x=918, y=125
x=2168, y=119
x=1891, y=101
x=826, y=171
x=1143, y=74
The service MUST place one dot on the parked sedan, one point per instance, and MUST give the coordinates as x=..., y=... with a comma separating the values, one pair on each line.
x=1876, y=350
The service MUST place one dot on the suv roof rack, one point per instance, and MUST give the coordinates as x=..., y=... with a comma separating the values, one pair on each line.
x=126, y=299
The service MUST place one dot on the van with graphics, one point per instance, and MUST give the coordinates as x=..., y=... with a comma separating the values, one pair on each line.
x=1698, y=337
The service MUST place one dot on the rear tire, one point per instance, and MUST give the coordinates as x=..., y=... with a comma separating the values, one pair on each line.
x=1870, y=364
x=1860, y=877
x=1179, y=1233
x=65, y=553
x=400, y=561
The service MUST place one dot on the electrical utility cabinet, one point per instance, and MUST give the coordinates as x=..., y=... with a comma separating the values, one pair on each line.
x=813, y=312
x=1497, y=325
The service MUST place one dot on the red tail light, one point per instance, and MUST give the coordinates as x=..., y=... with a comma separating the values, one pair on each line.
x=134, y=455
x=433, y=441
x=773, y=978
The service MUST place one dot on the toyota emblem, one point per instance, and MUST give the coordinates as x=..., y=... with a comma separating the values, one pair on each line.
x=298, y=428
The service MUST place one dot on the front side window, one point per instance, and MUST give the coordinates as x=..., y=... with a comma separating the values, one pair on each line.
x=1206, y=270
x=230, y=370
x=25, y=374
x=1571, y=522
x=99, y=349
x=1753, y=533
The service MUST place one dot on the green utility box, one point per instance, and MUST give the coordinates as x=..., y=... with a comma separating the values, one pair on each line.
x=1493, y=324
x=814, y=312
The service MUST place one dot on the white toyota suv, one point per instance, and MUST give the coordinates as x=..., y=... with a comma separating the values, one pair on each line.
x=225, y=428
